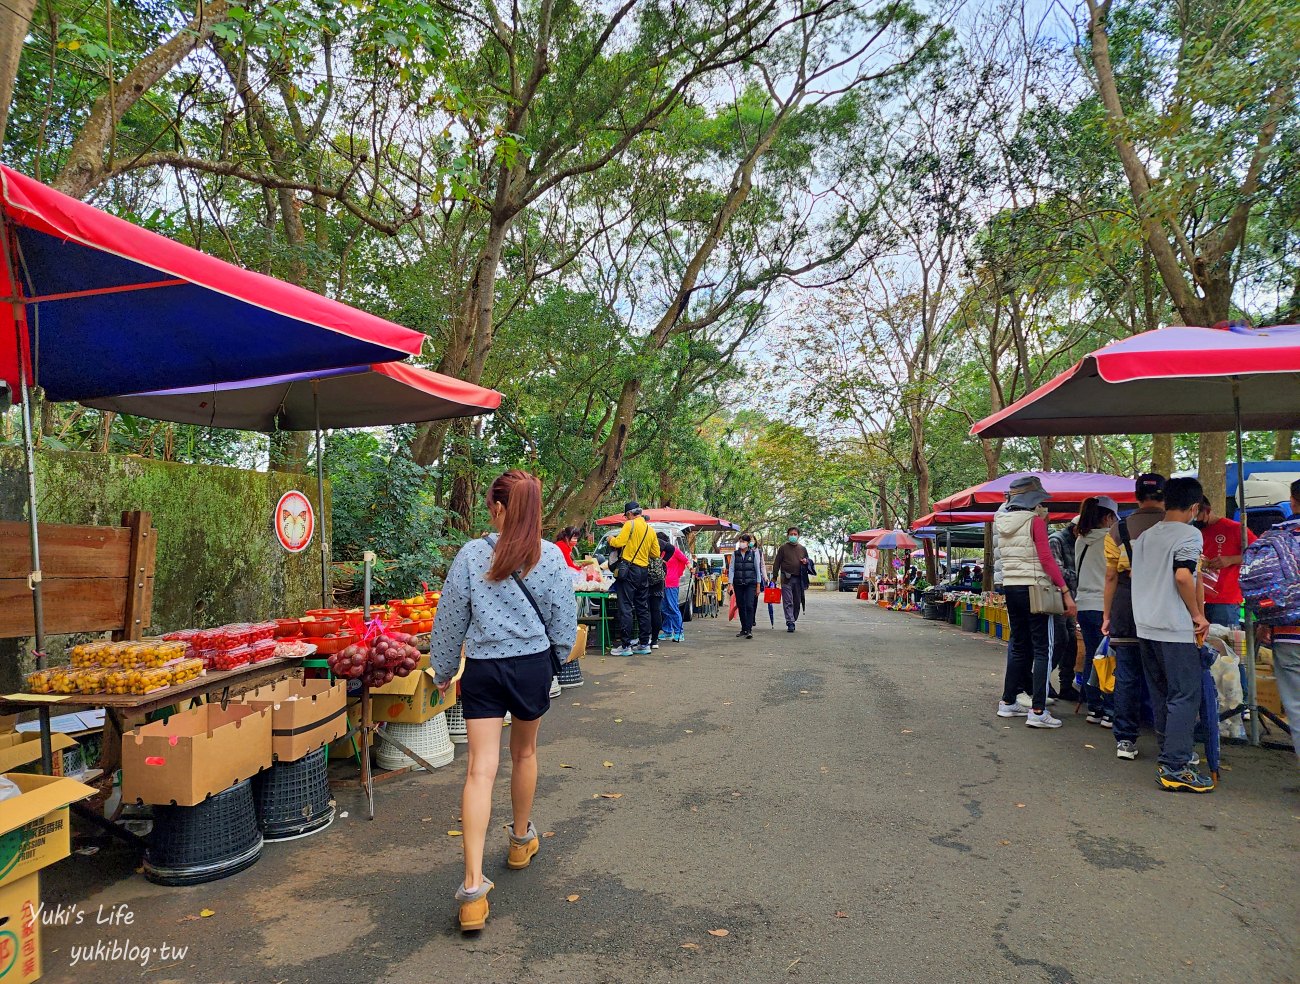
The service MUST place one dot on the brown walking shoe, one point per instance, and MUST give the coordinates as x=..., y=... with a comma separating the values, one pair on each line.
x=523, y=848
x=474, y=907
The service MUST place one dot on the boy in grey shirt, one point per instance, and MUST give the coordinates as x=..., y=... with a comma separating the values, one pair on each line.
x=1170, y=624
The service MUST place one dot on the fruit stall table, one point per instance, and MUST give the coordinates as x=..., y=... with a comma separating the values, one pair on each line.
x=602, y=599
x=127, y=711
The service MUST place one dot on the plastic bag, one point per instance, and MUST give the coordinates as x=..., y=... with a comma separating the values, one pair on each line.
x=8, y=790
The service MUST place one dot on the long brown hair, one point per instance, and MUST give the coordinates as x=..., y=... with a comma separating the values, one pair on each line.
x=520, y=544
x=1092, y=515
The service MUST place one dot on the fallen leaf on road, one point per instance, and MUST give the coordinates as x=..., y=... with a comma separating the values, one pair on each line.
x=841, y=915
x=906, y=731
x=206, y=912
x=188, y=919
x=1020, y=806
x=726, y=703
x=454, y=833
x=1089, y=746
x=572, y=898
x=824, y=770
x=1004, y=843
x=618, y=720
x=689, y=731
x=803, y=691
x=608, y=796
x=577, y=703
x=735, y=794
x=607, y=764
x=425, y=819
x=696, y=809
x=549, y=833
x=690, y=946
x=565, y=765
x=719, y=932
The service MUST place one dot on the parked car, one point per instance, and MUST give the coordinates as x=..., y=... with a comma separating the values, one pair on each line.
x=677, y=536
x=851, y=576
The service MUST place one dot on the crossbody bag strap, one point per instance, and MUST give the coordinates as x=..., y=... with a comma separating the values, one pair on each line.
x=1124, y=539
x=533, y=601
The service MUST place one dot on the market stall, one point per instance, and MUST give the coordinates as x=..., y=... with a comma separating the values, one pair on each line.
x=1172, y=380
x=100, y=307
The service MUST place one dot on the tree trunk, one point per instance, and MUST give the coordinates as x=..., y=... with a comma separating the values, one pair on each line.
x=289, y=451
x=15, y=21
x=601, y=478
x=1282, y=442
x=1162, y=454
x=1212, y=469
x=87, y=164
x=1047, y=449
x=920, y=466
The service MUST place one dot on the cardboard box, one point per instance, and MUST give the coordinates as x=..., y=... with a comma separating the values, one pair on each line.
x=20, y=751
x=1266, y=694
x=86, y=728
x=411, y=699
x=34, y=826
x=580, y=647
x=342, y=748
x=20, y=930
x=195, y=754
x=305, y=714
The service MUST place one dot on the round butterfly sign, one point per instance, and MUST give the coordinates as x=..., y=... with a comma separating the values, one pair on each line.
x=295, y=521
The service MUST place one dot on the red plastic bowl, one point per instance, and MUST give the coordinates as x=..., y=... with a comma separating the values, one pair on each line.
x=321, y=627
x=287, y=626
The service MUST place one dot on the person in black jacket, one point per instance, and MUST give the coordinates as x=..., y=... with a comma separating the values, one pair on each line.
x=746, y=574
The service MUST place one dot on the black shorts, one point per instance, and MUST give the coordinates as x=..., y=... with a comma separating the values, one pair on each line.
x=520, y=685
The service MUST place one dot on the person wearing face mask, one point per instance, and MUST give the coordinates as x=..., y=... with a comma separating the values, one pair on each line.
x=1222, y=549
x=793, y=565
x=746, y=574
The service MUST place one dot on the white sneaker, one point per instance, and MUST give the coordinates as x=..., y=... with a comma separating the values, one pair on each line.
x=505, y=721
x=1011, y=710
x=1126, y=750
x=1044, y=720
x=1027, y=702
x=556, y=689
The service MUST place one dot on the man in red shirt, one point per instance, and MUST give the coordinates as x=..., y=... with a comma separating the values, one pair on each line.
x=1221, y=546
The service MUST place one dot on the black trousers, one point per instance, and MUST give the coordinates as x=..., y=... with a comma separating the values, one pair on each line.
x=633, y=592
x=747, y=606
x=656, y=614
x=1031, y=645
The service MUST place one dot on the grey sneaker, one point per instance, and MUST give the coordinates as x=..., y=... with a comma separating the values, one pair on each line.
x=621, y=651
x=641, y=650
x=1012, y=710
x=1044, y=720
x=556, y=689
x=1126, y=750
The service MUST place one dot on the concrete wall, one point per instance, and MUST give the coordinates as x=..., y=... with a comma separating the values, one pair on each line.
x=218, y=558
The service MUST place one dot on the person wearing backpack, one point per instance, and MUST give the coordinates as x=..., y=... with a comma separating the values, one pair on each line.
x=658, y=570
x=637, y=544
x=1265, y=586
x=1117, y=611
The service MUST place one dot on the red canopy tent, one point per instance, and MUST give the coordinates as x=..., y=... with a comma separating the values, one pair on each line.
x=981, y=516
x=866, y=536
x=1065, y=488
x=1172, y=380
x=686, y=517
x=358, y=396
x=98, y=306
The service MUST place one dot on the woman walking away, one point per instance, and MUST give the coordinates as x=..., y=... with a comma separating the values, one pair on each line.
x=1027, y=560
x=508, y=598
x=675, y=561
x=1096, y=516
x=658, y=584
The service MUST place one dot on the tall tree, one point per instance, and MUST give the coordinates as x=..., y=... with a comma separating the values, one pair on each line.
x=1195, y=95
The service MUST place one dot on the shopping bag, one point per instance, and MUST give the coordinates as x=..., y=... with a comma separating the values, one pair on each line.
x=772, y=594
x=731, y=610
x=1103, y=668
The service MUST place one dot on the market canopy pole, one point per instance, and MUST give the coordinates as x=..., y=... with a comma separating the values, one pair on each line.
x=320, y=500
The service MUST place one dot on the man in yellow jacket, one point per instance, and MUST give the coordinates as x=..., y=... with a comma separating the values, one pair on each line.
x=637, y=545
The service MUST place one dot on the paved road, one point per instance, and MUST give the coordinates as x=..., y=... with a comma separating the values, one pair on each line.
x=842, y=801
